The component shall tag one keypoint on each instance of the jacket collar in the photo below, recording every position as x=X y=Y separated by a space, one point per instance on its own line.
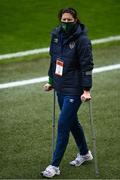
x=81 y=29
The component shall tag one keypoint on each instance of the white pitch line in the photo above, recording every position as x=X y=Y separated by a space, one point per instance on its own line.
x=46 y=50
x=23 y=82
x=105 y=40
x=106 y=68
x=24 y=53
x=45 y=78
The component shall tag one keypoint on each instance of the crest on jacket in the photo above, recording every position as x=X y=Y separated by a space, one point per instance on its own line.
x=72 y=45
x=56 y=40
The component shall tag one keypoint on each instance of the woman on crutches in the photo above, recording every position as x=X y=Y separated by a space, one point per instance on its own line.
x=70 y=75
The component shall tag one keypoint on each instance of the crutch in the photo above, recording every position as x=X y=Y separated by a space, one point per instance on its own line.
x=93 y=138
x=53 y=122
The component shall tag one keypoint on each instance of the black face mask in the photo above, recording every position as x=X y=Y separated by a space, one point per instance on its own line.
x=68 y=27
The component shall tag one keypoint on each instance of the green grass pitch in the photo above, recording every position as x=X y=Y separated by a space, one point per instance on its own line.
x=26 y=111
x=26 y=125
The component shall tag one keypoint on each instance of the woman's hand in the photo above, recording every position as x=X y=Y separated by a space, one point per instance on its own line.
x=85 y=96
x=47 y=87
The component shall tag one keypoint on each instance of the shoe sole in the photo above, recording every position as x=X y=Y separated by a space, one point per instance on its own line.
x=77 y=165
x=42 y=174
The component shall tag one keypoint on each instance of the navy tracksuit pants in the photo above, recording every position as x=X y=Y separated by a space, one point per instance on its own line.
x=68 y=122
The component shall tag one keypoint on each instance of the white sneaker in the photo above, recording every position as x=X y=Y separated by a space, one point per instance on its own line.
x=51 y=171
x=80 y=159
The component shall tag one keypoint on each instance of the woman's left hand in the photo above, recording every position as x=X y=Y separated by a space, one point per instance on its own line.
x=85 y=96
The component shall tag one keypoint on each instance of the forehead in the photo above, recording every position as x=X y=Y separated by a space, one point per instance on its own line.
x=67 y=15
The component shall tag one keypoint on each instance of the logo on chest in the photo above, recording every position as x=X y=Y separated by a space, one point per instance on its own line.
x=56 y=40
x=72 y=45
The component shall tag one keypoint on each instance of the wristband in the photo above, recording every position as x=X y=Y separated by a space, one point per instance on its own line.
x=50 y=81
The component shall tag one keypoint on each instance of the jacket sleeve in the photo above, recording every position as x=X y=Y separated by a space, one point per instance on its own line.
x=86 y=62
x=50 y=71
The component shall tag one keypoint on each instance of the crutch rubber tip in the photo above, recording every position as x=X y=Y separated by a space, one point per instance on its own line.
x=97 y=173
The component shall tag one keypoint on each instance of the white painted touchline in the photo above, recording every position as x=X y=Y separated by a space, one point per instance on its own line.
x=23 y=82
x=45 y=78
x=106 y=68
x=24 y=53
x=105 y=40
x=46 y=50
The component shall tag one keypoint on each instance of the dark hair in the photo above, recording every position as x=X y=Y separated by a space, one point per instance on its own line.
x=70 y=10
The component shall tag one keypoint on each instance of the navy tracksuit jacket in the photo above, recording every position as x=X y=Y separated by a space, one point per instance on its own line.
x=75 y=54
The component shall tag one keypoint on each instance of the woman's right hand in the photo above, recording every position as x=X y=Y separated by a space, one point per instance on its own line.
x=47 y=87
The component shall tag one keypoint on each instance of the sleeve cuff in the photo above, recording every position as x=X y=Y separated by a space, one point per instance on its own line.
x=86 y=88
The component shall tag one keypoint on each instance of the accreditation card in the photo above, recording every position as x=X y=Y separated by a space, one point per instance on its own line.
x=59 y=67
